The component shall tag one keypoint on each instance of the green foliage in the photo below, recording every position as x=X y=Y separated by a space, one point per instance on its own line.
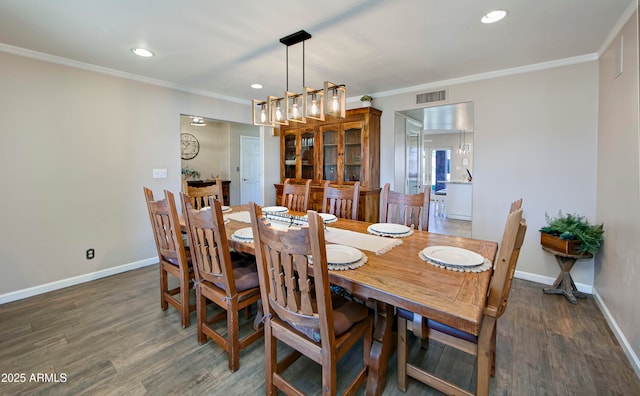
x=575 y=227
x=192 y=173
x=366 y=98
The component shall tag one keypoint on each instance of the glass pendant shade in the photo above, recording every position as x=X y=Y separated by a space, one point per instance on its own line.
x=277 y=110
x=334 y=99
x=295 y=107
x=260 y=112
x=314 y=104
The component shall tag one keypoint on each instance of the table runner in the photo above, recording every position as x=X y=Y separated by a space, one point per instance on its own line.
x=378 y=245
x=242 y=216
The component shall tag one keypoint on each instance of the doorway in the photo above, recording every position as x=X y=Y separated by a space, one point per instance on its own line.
x=438 y=153
x=219 y=153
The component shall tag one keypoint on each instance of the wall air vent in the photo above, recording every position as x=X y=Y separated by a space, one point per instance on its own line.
x=436 y=96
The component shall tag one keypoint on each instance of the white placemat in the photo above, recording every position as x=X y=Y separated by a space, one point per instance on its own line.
x=242 y=216
x=343 y=267
x=486 y=266
x=378 y=245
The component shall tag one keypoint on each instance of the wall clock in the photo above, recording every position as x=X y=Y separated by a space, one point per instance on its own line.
x=189 y=146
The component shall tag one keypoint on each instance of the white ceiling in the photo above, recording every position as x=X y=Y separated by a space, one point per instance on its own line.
x=373 y=46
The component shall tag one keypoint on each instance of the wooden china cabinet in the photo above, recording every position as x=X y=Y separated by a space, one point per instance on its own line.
x=342 y=151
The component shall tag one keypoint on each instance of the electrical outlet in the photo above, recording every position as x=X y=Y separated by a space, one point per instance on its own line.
x=91 y=253
x=159 y=173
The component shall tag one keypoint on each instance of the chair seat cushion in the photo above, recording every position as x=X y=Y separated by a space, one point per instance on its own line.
x=245 y=273
x=346 y=313
x=438 y=326
x=174 y=260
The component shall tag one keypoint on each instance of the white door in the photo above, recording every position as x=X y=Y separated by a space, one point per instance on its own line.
x=413 y=168
x=250 y=170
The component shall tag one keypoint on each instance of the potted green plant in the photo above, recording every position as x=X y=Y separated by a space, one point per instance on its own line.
x=366 y=101
x=190 y=173
x=571 y=234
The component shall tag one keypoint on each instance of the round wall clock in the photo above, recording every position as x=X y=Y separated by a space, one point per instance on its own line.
x=189 y=146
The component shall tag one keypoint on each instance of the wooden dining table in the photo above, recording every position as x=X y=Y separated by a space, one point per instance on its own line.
x=400 y=278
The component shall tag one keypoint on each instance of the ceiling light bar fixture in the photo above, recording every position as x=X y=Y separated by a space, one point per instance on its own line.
x=298 y=107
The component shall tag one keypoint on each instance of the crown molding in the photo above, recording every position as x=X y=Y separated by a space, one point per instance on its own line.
x=488 y=75
x=617 y=28
x=116 y=73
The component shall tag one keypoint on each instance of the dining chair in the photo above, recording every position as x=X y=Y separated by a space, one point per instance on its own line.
x=225 y=278
x=341 y=201
x=407 y=209
x=299 y=308
x=174 y=258
x=296 y=196
x=185 y=185
x=483 y=346
x=200 y=195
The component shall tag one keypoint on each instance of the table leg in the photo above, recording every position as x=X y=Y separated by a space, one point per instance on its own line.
x=564 y=283
x=380 y=350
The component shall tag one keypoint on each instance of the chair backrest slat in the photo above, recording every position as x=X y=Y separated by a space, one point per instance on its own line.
x=296 y=196
x=341 y=201
x=286 y=277
x=209 y=247
x=408 y=209
x=166 y=227
x=505 y=264
x=200 y=195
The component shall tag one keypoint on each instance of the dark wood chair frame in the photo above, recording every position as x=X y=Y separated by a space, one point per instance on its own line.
x=294 y=291
x=341 y=201
x=411 y=210
x=172 y=255
x=212 y=263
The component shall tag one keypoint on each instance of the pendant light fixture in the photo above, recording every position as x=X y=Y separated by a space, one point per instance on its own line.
x=298 y=107
x=463 y=148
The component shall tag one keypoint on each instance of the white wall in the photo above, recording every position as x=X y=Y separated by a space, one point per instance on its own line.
x=535 y=138
x=76 y=148
x=617 y=270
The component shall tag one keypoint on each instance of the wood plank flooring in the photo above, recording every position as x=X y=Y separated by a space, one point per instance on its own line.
x=110 y=337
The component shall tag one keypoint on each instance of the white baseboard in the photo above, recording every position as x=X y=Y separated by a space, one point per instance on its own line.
x=613 y=325
x=546 y=280
x=624 y=343
x=60 y=284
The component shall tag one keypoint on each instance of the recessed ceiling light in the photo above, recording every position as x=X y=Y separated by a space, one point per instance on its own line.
x=494 y=16
x=256 y=86
x=197 y=121
x=142 y=52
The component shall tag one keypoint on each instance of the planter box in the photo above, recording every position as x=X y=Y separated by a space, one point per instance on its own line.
x=560 y=245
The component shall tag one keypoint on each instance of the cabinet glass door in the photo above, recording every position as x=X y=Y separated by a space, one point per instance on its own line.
x=330 y=154
x=352 y=152
x=306 y=155
x=290 y=156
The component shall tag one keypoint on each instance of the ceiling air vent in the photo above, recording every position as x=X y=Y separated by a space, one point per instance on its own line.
x=429 y=97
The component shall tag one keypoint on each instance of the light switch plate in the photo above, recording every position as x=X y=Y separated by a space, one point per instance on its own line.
x=159 y=173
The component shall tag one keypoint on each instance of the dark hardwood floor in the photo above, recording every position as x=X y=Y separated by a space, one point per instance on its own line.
x=110 y=337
